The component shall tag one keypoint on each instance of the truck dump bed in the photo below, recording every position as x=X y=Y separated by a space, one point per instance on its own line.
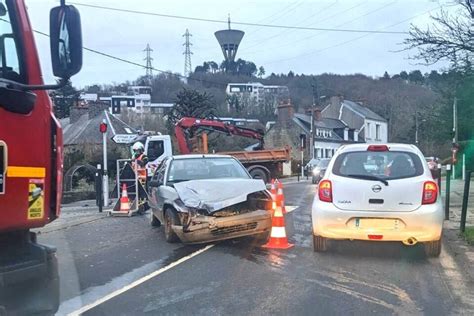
x=264 y=155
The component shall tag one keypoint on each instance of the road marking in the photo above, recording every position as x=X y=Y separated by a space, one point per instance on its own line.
x=138 y=282
x=290 y=208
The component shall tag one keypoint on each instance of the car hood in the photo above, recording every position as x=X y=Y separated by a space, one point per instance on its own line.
x=215 y=194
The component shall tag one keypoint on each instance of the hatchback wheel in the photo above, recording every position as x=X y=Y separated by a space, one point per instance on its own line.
x=433 y=248
x=171 y=218
x=319 y=244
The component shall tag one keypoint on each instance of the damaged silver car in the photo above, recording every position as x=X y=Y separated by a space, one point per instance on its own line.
x=203 y=198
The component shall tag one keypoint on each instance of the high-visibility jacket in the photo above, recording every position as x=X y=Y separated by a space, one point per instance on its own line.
x=139 y=165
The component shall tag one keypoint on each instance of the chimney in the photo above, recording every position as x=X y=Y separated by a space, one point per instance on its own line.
x=285 y=113
x=346 y=133
x=97 y=108
x=318 y=115
x=76 y=113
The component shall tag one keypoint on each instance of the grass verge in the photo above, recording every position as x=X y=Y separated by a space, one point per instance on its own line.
x=469 y=235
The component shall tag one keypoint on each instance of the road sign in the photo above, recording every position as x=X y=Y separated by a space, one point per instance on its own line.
x=124 y=138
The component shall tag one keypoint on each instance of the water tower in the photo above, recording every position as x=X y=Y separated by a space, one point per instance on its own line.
x=229 y=40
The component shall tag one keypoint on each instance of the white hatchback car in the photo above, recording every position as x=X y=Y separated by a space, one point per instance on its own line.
x=379 y=193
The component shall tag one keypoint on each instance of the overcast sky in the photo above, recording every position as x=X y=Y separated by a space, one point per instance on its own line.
x=125 y=35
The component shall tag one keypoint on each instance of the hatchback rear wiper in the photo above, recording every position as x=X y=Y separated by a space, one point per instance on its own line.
x=367 y=177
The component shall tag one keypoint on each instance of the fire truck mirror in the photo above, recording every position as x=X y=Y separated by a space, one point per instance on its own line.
x=17 y=101
x=65 y=41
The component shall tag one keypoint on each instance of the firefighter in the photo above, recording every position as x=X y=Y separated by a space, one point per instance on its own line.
x=139 y=156
x=139 y=161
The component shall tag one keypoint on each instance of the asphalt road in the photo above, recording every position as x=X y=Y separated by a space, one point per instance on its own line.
x=122 y=266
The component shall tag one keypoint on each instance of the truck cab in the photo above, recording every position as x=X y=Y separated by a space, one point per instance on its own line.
x=31 y=154
x=157 y=148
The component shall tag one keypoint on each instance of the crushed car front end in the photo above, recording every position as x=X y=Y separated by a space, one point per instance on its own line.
x=236 y=217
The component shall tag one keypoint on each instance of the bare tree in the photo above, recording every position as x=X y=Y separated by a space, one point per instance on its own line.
x=450 y=37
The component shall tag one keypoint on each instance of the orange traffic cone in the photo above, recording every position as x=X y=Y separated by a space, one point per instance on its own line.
x=281 y=197
x=124 y=201
x=278 y=239
x=273 y=193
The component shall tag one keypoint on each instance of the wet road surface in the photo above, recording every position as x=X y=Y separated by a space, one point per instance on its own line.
x=101 y=260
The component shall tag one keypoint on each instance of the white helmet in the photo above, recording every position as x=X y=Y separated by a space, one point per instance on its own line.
x=138 y=147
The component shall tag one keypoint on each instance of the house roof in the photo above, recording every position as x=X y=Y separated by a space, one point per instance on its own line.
x=86 y=131
x=362 y=110
x=323 y=122
x=306 y=126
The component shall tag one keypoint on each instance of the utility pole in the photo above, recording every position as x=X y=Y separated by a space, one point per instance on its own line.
x=416 y=126
x=187 y=54
x=148 y=59
x=455 y=129
x=314 y=87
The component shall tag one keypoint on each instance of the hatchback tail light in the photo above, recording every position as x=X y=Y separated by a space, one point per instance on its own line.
x=430 y=192
x=325 y=191
x=377 y=148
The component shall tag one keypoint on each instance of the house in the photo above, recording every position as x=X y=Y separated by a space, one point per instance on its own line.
x=329 y=133
x=256 y=93
x=371 y=127
x=82 y=127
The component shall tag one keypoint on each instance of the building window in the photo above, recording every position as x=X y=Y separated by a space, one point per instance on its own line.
x=377 y=131
x=367 y=132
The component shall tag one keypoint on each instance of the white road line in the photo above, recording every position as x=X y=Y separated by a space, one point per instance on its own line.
x=138 y=282
x=290 y=208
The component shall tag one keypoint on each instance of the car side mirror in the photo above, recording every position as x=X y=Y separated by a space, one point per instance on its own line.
x=154 y=183
x=65 y=41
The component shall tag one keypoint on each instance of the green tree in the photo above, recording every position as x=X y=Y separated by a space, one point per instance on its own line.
x=404 y=75
x=64 y=98
x=416 y=76
x=192 y=103
x=261 y=71
x=386 y=76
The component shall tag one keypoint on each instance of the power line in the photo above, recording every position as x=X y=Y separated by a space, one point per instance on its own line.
x=339 y=25
x=135 y=63
x=239 y=23
x=259 y=41
x=350 y=40
x=187 y=54
x=323 y=20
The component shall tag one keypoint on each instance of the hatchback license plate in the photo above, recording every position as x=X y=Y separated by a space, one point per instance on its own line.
x=377 y=223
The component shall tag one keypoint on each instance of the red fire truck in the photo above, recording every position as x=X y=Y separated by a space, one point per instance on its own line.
x=31 y=154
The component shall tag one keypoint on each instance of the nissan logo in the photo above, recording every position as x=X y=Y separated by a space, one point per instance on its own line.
x=376 y=188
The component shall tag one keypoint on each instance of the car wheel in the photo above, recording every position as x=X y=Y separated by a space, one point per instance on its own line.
x=171 y=218
x=155 y=222
x=433 y=248
x=258 y=173
x=319 y=244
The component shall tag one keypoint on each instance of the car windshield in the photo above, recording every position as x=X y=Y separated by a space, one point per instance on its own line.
x=205 y=168
x=389 y=165
x=323 y=163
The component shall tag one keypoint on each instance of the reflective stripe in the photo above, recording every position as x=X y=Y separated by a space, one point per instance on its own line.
x=26 y=172
x=278 y=232
x=278 y=212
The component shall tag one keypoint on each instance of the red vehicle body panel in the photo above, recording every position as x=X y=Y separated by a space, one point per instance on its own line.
x=33 y=141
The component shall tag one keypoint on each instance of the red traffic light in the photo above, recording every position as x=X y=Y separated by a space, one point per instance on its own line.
x=103 y=127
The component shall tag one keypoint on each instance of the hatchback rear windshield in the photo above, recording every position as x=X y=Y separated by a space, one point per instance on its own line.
x=387 y=165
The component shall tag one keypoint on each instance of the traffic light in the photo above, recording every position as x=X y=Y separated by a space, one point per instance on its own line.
x=303 y=141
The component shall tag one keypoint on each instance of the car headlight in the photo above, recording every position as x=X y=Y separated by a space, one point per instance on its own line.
x=316 y=171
